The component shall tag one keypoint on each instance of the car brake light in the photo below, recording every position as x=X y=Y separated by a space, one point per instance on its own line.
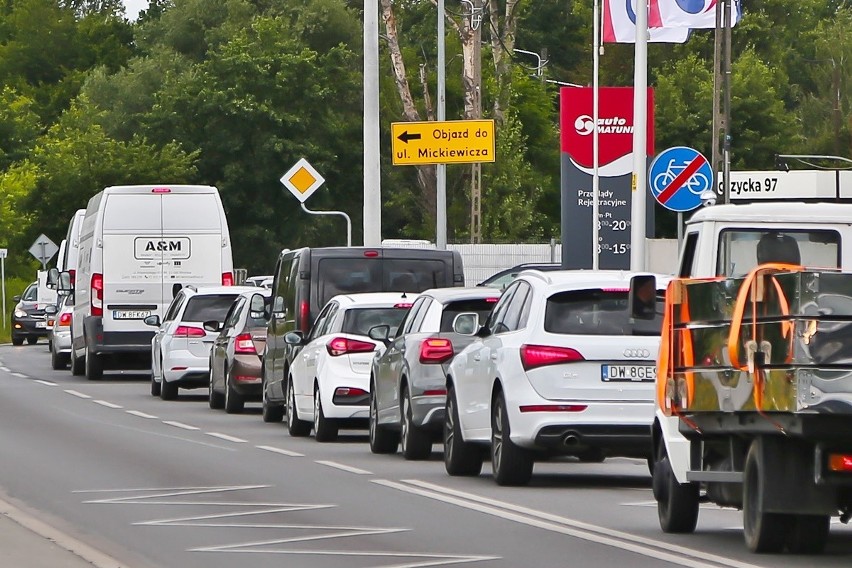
x=371 y=253
x=72 y=276
x=349 y=391
x=436 y=350
x=492 y=300
x=227 y=279
x=305 y=316
x=840 y=462
x=614 y=290
x=343 y=345
x=402 y=305
x=97 y=294
x=189 y=331
x=533 y=356
x=243 y=345
x=161 y=190
x=65 y=319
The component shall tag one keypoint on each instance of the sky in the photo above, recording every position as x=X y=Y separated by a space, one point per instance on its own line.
x=132 y=7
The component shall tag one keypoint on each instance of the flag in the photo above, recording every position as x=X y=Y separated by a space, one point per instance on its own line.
x=619 y=24
x=695 y=14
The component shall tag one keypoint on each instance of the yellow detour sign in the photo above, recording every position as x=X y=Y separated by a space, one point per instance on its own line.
x=446 y=142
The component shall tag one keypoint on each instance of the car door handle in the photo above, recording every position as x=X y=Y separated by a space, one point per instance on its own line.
x=477 y=358
x=493 y=356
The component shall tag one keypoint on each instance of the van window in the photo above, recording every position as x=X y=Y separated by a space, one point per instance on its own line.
x=740 y=250
x=129 y=212
x=191 y=212
x=597 y=312
x=208 y=307
x=354 y=275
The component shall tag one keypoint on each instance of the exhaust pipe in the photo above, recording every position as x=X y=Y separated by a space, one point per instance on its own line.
x=571 y=440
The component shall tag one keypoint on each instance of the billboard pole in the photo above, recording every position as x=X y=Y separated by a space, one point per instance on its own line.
x=640 y=121
x=596 y=180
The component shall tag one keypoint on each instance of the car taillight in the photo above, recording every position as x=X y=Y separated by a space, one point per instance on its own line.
x=243 y=345
x=97 y=294
x=343 y=345
x=72 y=276
x=349 y=391
x=161 y=190
x=491 y=300
x=189 y=331
x=436 y=350
x=305 y=316
x=402 y=305
x=533 y=356
x=227 y=279
x=65 y=319
x=840 y=462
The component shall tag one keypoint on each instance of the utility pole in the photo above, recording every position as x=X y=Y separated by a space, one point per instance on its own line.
x=476 y=167
x=720 y=156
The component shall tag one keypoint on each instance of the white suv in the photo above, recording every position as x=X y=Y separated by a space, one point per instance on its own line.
x=560 y=367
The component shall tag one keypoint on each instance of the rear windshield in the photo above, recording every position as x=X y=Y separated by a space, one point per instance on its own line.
x=354 y=275
x=133 y=212
x=205 y=308
x=451 y=310
x=597 y=312
x=359 y=321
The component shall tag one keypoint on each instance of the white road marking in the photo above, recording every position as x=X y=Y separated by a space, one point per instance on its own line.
x=158 y=492
x=107 y=404
x=20 y=375
x=281 y=451
x=48 y=383
x=4 y=369
x=226 y=437
x=433 y=559
x=180 y=425
x=196 y=521
x=344 y=467
x=602 y=535
x=141 y=414
x=77 y=394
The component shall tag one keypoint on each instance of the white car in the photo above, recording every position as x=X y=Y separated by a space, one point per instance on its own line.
x=329 y=381
x=559 y=368
x=59 y=324
x=180 y=349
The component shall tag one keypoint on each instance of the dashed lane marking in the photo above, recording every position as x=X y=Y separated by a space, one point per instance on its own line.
x=226 y=437
x=107 y=404
x=20 y=375
x=77 y=394
x=180 y=425
x=141 y=414
x=48 y=383
x=5 y=369
x=280 y=451
x=344 y=467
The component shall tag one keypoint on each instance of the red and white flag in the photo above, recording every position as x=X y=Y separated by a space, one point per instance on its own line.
x=695 y=14
x=619 y=23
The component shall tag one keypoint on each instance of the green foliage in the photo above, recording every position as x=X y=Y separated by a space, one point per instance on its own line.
x=14 y=287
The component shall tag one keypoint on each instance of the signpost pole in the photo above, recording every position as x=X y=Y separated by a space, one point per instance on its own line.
x=640 y=123
x=596 y=180
x=441 y=172
x=348 y=221
x=43 y=256
x=3 y=277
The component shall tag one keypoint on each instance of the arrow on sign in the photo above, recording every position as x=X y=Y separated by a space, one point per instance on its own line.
x=405 y=136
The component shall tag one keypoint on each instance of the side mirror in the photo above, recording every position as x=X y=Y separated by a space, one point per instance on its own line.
x=466 y=323
x=212 y=325
x=153 y=321
x=16 y=298
x=51 y=310
x=64 y=286
x=642 y=297
x=52 y=278
x=294 y=338
x=380 y=333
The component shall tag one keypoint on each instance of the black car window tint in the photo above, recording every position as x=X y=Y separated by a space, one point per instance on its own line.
x=596 y=312
x=359 y=321
x=405 y=326
x=234 y=313
x=421 y=315
x=482 y=307
x=208 y=307
x=500 y=309
x=513 y=310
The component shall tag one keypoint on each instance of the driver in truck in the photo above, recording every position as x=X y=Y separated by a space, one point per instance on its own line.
x=775 y=247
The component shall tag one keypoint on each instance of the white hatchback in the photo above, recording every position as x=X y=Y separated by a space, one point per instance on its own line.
x=560 y=368
x=328 y=385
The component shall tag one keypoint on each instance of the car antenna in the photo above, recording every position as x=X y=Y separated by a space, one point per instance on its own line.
x=404 y=296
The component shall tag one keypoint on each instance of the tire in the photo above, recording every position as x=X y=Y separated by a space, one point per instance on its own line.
x=234 y=402
x=677 y=504
x=512 y=465
x=32 y=340
x=297 y=428
x=325 y=430
x=155 y=386
x=416 y=444
x=763 y=532
x=17 y=340
x=78 y=364
x=460 y=458
x=215 y=400
x=58 y=361
x=382 y=440
x=94 y=366
x=808 y=534
x=271 y=412
x=168 y=391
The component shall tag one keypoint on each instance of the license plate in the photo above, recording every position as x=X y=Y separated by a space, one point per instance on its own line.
x=635 y=373
x=41 y=324
x=130 y=314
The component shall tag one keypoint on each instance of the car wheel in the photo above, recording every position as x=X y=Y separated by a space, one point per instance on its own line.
x=215 y=400
x=460 y=457
x=416 y=443
x=155 y=385
x=808 y=534
x=511 y=464
x=16 y=340
x=271 y=412
x=297 y=428
x=325 y=430
x=32 y=340
x=58 y=361
x=168 y=391
x=78 y=364
x=234 y=403
x=382 y=440
x=94 y=366
x=677 y=504
x=763 y=531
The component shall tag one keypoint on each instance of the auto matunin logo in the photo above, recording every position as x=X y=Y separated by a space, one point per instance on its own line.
x=584 y=125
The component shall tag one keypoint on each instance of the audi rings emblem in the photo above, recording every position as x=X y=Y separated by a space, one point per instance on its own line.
x=637 y=353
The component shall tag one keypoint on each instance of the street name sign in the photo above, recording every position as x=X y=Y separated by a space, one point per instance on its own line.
x=302 y=180
x=4 y=253
x=444 y=142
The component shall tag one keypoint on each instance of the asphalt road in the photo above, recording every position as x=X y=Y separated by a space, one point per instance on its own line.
x=165 y=484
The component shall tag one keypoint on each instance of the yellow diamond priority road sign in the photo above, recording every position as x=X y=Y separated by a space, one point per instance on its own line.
x=445 y=142
x=302 y=180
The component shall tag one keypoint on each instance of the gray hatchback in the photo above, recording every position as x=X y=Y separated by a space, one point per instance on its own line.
x=408 y=380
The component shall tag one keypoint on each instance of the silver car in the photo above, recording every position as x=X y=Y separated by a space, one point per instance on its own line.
x=59 y=332
x=408 y=391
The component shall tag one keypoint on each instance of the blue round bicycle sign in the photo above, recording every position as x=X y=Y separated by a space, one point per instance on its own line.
x=681 y=179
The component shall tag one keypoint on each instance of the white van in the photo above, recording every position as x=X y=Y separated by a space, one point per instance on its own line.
x=139 y=245
x=70 y=248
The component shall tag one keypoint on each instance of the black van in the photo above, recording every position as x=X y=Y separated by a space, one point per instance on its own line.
x=305 y=279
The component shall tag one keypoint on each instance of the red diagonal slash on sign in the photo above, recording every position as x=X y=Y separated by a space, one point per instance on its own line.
x=681 y=179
